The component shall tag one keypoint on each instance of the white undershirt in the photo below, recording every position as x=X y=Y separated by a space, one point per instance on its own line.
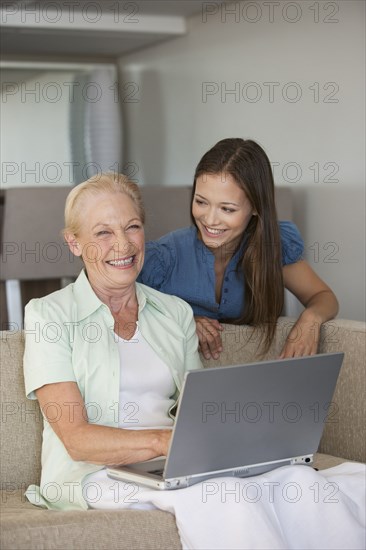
x=146 y=386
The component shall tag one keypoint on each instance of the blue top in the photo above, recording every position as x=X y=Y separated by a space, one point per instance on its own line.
x=180 y=264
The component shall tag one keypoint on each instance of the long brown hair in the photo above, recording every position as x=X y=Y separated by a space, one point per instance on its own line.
x=261 y=262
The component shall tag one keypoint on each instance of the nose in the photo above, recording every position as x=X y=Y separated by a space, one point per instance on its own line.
x=211 y=217
x=122 y=246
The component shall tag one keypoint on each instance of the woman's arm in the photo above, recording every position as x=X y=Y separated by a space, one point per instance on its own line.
x=320 y=305
x=93 y=443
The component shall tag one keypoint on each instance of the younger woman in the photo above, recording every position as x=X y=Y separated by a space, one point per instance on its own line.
x=233 y=265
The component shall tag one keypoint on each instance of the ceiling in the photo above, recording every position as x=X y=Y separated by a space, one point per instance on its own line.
x=86 y=28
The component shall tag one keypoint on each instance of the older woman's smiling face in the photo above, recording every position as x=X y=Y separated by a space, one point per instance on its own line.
x=110 y=241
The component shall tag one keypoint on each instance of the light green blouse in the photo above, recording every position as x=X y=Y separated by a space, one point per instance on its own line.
x=70 y=337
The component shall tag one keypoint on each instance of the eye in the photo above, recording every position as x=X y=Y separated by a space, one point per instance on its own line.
x=228 y=210
x=199 y=202
x=134 y=227
x=102 y=233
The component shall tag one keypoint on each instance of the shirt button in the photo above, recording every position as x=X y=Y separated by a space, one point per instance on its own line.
x=226 y=279
x=226 y=290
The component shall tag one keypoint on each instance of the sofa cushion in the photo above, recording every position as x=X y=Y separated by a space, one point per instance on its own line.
x=92 y=529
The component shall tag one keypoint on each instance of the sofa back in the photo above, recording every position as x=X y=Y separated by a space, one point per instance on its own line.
x=344 y=435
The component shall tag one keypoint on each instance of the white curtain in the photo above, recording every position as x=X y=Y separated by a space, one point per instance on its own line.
x=96 y=133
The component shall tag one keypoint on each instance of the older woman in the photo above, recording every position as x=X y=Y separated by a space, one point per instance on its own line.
x=105 y=356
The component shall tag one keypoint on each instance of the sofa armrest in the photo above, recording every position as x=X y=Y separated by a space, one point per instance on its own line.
x=345 y=435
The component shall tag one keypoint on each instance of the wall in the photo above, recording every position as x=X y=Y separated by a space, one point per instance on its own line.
x=296 y=75
x=59 y=123
x=34 y=128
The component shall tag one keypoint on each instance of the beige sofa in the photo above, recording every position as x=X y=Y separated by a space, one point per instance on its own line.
x=24 y=526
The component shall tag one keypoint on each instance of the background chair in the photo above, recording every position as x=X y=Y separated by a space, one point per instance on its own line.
x=33 y=249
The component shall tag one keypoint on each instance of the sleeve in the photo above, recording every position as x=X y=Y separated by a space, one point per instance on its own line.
x=192 y=359
x=48 y=349
x=187 y=321
x=158 y=263
x=292 y=244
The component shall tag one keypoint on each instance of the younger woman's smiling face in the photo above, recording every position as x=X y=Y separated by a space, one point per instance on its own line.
x=221 y=211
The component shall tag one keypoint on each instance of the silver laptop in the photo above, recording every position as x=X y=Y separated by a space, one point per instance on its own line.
x=244 y=420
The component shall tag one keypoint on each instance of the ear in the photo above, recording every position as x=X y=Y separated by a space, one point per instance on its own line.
x=73 y=244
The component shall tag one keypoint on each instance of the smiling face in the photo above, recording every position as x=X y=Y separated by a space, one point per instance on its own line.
x=221 y=211
x=110 y=241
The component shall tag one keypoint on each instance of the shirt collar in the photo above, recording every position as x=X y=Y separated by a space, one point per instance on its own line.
x=87 y=301
x=143 y=298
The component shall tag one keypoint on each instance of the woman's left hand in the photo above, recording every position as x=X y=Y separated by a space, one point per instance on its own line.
x=208 y=332
x=302 y=340
x=320 y=303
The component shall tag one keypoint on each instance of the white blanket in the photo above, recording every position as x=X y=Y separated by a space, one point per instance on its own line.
x=293 y=507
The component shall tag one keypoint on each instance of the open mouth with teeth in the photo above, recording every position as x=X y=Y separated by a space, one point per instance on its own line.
x=122 y=262
x=214 y=232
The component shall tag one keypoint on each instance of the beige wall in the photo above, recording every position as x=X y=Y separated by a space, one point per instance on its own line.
x=308 y=78
x=35 y=147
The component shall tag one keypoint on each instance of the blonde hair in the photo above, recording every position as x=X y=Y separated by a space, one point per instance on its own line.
x=109 y=182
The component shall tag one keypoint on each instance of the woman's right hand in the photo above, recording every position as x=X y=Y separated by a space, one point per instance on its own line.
x=208 y=331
